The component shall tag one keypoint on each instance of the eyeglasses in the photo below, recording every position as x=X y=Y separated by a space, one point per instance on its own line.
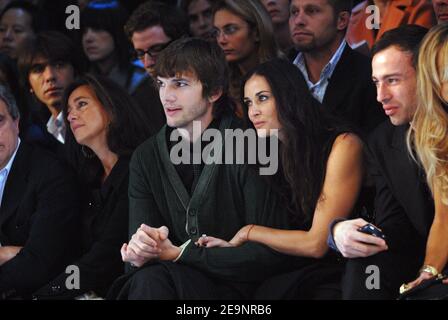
x=153 y=52
x=228 y=30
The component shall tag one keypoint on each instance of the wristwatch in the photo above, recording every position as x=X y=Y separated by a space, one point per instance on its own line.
x=429 y=269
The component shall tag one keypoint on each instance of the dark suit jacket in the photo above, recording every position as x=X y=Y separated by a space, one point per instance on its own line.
x=403 y=210
x=403 y=205
x=40 y=213
x=351 y=93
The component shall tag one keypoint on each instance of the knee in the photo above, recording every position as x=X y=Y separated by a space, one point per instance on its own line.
x=365 y=279
x=150 y=275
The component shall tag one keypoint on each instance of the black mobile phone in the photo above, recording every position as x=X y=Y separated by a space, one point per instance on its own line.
x=372 y=230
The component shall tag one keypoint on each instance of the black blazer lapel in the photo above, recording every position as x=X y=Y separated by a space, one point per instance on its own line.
x=339 y=84
x=409 y=182
x=15 y=184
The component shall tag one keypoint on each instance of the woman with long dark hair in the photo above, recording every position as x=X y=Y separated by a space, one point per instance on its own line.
x=320 y=176
x=105 y=128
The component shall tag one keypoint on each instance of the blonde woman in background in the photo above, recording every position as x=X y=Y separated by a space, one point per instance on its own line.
x=428 y=142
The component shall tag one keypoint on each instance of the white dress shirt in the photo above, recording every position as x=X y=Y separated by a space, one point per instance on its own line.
x=57 y=127
x=319 y=88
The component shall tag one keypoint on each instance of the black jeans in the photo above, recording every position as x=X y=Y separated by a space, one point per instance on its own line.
x=172 y=281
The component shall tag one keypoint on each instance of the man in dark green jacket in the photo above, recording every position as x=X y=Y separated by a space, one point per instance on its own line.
x=172 y=205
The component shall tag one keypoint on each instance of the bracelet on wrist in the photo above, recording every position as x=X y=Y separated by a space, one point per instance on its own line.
x=248 y=231
x=429 y=269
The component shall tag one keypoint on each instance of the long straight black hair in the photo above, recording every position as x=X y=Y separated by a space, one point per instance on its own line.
x=308 y=132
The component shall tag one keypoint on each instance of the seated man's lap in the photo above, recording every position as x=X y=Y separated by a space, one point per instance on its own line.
x=172 y=281
x=379 y=276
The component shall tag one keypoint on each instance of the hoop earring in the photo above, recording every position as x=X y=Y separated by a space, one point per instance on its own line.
x=87 y=152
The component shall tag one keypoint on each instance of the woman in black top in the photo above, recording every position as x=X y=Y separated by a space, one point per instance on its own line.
x=320 y=169
x=107 y=128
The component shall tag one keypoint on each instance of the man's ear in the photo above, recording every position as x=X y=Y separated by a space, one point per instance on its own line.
x=215 y=96
x=343 y=20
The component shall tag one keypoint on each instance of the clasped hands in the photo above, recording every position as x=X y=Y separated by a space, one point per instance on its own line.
x=149 y=244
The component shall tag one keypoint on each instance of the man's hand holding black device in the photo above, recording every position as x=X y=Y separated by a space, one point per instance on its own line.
x=372 y=230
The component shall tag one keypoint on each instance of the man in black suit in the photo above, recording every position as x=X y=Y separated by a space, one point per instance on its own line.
x=337 y=76
x=38 y=214
x=403 y=205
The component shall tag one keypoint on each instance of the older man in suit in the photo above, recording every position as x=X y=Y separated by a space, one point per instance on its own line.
x=403 y=206
x=337 y=76
x=38 y=215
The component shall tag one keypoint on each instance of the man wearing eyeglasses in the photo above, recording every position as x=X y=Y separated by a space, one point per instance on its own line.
x=151 y=28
